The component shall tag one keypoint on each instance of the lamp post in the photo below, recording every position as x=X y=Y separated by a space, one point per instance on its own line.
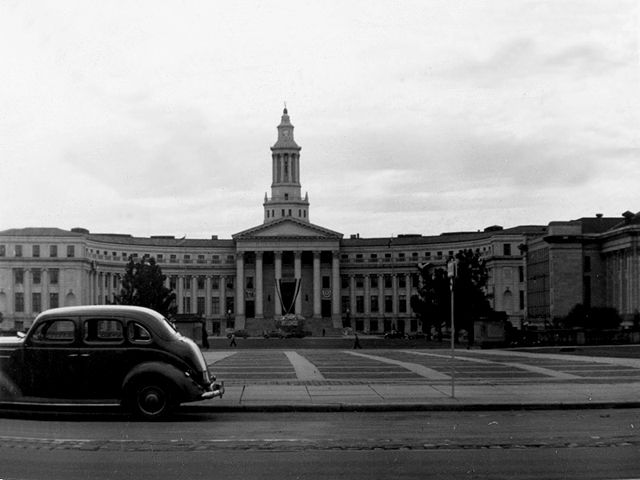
x=452 y=270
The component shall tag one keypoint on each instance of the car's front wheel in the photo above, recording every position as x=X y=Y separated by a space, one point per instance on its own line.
x=151 y=399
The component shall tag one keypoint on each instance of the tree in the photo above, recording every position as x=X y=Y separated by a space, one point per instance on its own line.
x=596 y=318
x=433 y=301
x=471 y=298
x=143 y=285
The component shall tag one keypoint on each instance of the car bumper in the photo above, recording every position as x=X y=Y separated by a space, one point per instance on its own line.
x=217 y=390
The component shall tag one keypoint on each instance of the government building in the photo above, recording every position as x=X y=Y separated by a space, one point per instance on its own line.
x=289 y=265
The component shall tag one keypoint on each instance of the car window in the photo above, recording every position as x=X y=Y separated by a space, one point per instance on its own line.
x=137 y=333
x=55 y=331
x=103 y=330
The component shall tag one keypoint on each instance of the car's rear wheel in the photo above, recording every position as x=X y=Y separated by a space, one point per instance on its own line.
x=151 y=399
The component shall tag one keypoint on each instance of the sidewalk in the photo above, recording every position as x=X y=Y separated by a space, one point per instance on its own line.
x=426 y=396
x=381 y=397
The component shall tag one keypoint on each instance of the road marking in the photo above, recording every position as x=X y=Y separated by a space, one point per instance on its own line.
x=305 y=370
x=530 y=368
x=623 y=362
x=213 y=357
x=421 y=370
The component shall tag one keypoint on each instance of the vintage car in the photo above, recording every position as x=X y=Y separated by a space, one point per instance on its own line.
x=130 y=354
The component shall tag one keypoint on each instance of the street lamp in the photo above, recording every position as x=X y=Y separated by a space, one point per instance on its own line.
x=452 y=271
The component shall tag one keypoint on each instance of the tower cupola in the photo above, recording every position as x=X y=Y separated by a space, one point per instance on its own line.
x=286 y=199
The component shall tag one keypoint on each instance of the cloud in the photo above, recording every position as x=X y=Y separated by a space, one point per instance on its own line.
x=524 y=59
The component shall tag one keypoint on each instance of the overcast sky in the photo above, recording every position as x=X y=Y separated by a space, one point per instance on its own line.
x=156 y=118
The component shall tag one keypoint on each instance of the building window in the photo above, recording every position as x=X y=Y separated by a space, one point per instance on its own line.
x=286 y=196
x=388 y=304
x=200 y=302
x=521 y=274
x=53 y=276
x=344 y=281
x=173 y=282
x=215 y=283
x=201 y=282
x=587 y=264
x=374 y=281
x=506 y=249
x=326 y=281
x=18 y=250
x=187 y=284
x=19 y=302
x=374 y=304
x=249 y=282
x=53 y=251
x=54 y=301
x=521 y=303
x=3 y=250
x=71 y=251
x=36 y=302
x=402 y=307
x=388 y=281
x=230 y=283
x=345 y=303
x=36 y=276
x=186 y=304
x=215 y=305
x=230 y=306
x=35 y=251
x=18 y=276
x=360 y=304
x=402 y=281
x=359 y=281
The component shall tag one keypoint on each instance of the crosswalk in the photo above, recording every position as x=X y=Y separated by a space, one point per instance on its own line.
x=414 y=366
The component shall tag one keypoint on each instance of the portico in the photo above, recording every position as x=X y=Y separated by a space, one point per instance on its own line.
x=287 y=266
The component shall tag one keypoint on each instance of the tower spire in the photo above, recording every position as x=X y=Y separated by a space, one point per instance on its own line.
x=286 y=199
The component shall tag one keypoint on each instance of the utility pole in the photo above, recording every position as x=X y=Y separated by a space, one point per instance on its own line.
x=452 y=270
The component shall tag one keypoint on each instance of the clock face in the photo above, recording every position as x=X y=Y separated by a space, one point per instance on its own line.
x=285 y=133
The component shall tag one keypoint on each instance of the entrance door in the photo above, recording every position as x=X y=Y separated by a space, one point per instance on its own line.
x=288 y=293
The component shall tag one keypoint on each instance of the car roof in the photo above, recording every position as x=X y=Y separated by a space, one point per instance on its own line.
x=100 y=309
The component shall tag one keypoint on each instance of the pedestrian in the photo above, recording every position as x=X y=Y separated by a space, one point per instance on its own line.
x=205 y=336
x=356 y=342
x=233 y=340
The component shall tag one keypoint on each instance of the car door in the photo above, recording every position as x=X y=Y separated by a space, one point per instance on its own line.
x=50 y=359
x=102 y=356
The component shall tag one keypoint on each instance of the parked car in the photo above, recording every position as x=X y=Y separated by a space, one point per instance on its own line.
x=394 y=334
x=273 y=334
x=130 y=354
x=239 y=334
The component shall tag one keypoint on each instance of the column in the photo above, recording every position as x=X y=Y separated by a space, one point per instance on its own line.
x=297 y=272
x=180 y=294
x=394 y=284
x=408 y=292
x=45 y=289
x=207 y=296
x=278 y=274
x=259 y=287
x=27 y=291
x=335 y=289
x=223 y=299
x=381 y=302
x=240 y=289
x=194 y=295
x=317 y=292
x=352 y=295
x=367 y=295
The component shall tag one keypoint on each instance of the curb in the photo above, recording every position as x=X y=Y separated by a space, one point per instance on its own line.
x=409 y=407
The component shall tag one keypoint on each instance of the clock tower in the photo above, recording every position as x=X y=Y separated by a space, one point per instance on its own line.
x=286 y=199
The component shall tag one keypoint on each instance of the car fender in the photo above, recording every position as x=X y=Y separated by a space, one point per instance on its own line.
x=184 y=385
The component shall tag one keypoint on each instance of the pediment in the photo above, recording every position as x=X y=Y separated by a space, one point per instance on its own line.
x=287 y=228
